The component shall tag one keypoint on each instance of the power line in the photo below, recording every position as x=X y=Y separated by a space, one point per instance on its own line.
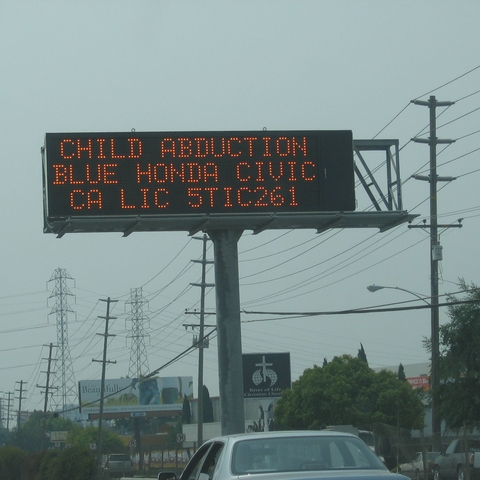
x=168 y=264
x=428 y=93
x=449 y=82
x=354 y=311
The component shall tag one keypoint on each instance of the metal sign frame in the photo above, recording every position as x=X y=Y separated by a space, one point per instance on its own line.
x=384 y=218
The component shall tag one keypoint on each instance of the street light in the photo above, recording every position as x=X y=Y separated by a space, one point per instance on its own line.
x=436 y=421
x=374 y=288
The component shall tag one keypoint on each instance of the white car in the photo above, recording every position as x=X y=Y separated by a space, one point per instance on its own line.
x=415 y=468
x=323 y=455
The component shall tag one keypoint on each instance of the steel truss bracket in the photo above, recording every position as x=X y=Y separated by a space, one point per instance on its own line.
x=390 y=197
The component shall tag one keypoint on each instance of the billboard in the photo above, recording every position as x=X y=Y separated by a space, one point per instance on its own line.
x=265 y=374
x=113 y=175
x=422 y=382
x=135 y=395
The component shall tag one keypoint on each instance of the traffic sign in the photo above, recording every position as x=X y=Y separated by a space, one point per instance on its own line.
x=101 y=179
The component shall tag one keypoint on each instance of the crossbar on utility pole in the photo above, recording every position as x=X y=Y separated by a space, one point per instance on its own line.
x=433 y=141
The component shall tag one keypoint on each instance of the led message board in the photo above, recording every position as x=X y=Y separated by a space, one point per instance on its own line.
x=184 y=173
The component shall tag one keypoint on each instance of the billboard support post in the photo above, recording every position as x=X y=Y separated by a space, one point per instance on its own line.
x=230 y=369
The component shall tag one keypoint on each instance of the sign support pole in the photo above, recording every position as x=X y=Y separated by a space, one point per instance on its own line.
x=265 y=404
x=230 y=370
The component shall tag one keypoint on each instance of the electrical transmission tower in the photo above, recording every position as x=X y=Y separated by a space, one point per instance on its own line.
x=138 y=353
x=63 y=378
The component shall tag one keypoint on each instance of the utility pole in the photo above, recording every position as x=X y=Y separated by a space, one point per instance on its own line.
x=104 y=363
x=20 y=398
x=45 y=405
x=435 y=257
x=201 y=342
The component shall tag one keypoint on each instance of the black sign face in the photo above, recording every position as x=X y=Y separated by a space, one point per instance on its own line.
x=131 y=174
x=265 y=374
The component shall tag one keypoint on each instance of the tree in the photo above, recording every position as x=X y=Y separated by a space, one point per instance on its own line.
x=362 y=355
x=401 y=373
x=75 y=463
x=4 y=434
x=29 y=437
x=11 y=462
x=186 y=411
x=84 y=437
x=207 y=406
x=48 y=465
x=459 y=362
x=347 y=391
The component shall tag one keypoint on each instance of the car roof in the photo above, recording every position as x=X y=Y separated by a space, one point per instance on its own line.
x=284 y=433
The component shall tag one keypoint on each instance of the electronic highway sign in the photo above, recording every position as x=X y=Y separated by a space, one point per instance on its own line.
x=96 y=177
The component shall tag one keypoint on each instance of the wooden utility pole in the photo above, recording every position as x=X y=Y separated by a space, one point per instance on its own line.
x=20 y=398
x=203 y=286
x=435 y=257
x=45 y=404
x=104 y=362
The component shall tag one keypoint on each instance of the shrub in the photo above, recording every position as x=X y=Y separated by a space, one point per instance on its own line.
x=75 y=463
x=11 y=462
x=48 y=464
x=32 y=465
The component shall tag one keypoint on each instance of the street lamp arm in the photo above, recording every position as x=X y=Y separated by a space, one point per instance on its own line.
x=374 y=288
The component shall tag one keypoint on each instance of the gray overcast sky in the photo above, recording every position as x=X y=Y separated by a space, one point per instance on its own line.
x=210 y=65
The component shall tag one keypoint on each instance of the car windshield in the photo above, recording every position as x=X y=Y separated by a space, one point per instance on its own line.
x=298 y=453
